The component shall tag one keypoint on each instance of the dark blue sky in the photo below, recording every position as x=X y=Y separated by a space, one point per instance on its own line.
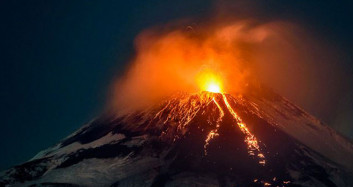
x=58 y=58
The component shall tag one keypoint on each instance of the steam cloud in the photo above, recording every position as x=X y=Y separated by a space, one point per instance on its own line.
x=170 y=60
x=280 y=54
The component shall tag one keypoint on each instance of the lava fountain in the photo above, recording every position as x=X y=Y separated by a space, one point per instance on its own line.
x=209 y=81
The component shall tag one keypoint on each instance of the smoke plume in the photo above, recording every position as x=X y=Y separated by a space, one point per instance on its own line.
x=258 y=45
x=170 y=59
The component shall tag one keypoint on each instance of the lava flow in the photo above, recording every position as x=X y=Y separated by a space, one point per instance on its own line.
x=214 y=133
x=250 y=139
x=212 y=84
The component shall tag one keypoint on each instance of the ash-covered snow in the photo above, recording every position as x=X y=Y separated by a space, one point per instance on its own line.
x=258 y=140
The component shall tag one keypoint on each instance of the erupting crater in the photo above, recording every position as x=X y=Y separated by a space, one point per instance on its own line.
x=209 y=81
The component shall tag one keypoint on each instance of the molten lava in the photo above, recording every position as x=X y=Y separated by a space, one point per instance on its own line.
x=214 y=133
x=250 y=139
x=209 y=81
x=213 y=87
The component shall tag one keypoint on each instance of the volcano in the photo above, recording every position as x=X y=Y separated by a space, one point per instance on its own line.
x=200 y=139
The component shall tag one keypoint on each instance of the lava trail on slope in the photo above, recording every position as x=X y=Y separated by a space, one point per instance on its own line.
x=201 y=139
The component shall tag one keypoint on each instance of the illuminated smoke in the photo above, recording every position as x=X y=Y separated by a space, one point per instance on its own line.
x=174 y=60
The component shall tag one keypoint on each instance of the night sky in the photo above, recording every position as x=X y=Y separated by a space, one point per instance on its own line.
x=58 y=59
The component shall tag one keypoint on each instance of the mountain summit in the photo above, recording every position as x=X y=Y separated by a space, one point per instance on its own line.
x=202 y=139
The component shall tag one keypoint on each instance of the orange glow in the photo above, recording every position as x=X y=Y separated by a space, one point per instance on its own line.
x=220 y=57
x=213 y=87
x=167 y=62
x=208 y=81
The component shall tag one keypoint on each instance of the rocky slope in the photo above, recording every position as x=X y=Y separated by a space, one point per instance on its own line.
x=202 y=139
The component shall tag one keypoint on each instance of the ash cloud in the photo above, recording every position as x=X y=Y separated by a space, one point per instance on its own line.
x=241 y=45
x=169 y=59
x=312 y=64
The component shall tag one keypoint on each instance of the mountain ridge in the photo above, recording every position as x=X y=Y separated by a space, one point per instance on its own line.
x=197 y=139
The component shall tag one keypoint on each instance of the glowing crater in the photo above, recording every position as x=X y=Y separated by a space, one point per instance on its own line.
x=213 y=87
x=209 y=81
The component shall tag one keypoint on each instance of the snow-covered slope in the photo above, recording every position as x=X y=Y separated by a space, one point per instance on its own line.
x=203 y=139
